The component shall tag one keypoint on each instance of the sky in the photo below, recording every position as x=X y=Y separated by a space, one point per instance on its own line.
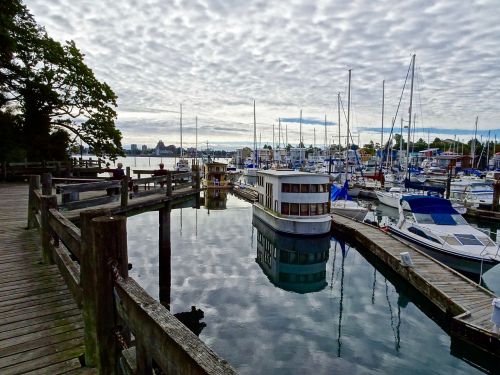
x=215 y=57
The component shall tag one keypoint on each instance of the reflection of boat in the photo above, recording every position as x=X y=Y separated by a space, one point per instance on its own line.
x=296 y=264
x=293 y=202
x=439 y=230
x=215 y=199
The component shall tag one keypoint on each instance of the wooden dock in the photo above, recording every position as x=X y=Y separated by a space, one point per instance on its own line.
x=466 y=303
x=41 y=327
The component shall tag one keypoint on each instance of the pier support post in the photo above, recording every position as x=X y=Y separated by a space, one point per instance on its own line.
x=496 y=195
x=165 y=254
x=48 y=202
x=34 y=185
x=108 y=247
x=47 y=184
x=87 y=282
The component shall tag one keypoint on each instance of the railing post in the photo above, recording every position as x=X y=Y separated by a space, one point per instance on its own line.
x=108 y=246
x=124 y=188
x=48 y=202
x=47 y=184
x=169 y=184
x=34 y=185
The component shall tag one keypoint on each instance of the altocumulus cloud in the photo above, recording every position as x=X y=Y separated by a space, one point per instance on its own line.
x=217 y=56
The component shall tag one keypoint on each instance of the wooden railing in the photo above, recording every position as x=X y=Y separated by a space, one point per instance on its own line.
x=125 y=328
x=55 y=167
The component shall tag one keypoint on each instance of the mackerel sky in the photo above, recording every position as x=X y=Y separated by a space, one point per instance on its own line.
x=217 y=56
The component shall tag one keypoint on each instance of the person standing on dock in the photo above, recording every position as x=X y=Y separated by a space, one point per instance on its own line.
x=118 y=174
x=160 y=172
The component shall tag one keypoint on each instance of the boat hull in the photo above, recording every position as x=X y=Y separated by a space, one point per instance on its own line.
x=309 y=226
x=461 y=263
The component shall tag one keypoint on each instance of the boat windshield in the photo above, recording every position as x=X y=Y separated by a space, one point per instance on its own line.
x=440 y=219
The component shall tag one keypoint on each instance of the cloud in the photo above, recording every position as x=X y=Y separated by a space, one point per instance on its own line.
x=215 y=57
x=308 y=121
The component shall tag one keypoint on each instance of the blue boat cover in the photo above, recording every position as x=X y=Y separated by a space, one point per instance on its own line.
x=429 y=205
x=337 y=193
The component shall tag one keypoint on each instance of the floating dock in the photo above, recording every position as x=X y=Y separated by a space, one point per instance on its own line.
x=467 y=304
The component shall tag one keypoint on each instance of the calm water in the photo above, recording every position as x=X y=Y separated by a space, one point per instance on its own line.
x=324 y=309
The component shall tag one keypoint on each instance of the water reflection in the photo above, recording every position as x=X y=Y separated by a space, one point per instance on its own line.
x=215 y=199
x=295 y=264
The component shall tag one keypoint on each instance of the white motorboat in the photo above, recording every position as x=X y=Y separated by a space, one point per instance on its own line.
x=293 y=202
x=342 y=204
x=439 y=230
x=477 y=194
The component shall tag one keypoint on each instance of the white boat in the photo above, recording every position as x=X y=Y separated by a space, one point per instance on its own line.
x=293 y=202
x=440 y=231
x=472 y=194
x=342 y=204
x=392 y=197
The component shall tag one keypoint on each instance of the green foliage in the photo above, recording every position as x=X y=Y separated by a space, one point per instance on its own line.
x=51 y=89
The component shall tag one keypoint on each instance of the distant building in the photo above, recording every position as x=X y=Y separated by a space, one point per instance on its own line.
x=133 y=148
x=144 y=149
x=160 y=149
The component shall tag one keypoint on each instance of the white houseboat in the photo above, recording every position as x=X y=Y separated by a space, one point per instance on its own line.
x=293 y=202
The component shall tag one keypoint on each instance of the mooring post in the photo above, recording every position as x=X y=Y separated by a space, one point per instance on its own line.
x=194 y=176
x=87 y=282
x=448 y=186
x=165 y=253
x=496 y=195
x=34 y=185
x=124 y=188
x=47 y=184
x=108 y=247
x=48 y=202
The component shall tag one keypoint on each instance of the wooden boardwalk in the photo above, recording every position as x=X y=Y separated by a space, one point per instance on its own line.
x=467 y=303
x=41 y=327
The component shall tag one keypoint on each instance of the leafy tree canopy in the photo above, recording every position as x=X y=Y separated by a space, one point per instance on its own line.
x=50 y=90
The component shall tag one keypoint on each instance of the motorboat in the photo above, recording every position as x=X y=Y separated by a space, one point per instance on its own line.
x=477 y=194
x=438 y=229
x=293 y=202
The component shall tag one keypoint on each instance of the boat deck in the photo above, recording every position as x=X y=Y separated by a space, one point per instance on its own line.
x=41 y=327
x=455 y=295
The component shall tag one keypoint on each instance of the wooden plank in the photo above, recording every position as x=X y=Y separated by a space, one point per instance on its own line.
x=65 y=367
x=51 y=316
x=7 y=305
x=90 y=186
x=70 y=272
x=18 y=332
x=16 y=312
x=68 y=232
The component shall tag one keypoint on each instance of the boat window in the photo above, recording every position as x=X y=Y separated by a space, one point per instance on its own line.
x=294 y=208
x=450 y=240
x=314 y=211
x=421 y=233
x=424 y=218
x=321 y=188
x=468 y=239
x=304 y=188
x=295 y=188
x=285 y=188
x=314 y=188
x=320 y=209
x=285 y=208
x=304 y=209
x=459 y=219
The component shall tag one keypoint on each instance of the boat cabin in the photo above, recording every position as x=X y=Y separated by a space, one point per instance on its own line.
x=215 y=174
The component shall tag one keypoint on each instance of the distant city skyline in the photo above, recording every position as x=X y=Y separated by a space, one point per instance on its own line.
x=217 y=57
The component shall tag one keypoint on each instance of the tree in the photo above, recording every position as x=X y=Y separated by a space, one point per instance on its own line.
x=51 y=90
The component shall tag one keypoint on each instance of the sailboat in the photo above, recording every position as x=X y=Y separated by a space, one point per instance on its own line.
x=341 y=203
x=250 y=171
x=183 y=164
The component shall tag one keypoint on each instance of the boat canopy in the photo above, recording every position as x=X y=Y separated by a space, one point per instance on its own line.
x=339 y=193
x=429 y=205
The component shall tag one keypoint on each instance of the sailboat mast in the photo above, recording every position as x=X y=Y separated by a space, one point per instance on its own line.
x=180 y=121
x=279 y=132
x=300 y=129
x=254 y=136
x=326 y=137
x=382 y=132
x=196 y=139
x=473 y=148
x=488 y=152
x=348 y=123
x=410 y=114
x=338 y=109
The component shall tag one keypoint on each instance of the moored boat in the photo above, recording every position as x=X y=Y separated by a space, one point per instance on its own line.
x=293 y=202
x=439 y=230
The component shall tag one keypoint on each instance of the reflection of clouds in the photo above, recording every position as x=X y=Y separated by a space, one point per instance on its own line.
x=217 y=56
x=259 y=328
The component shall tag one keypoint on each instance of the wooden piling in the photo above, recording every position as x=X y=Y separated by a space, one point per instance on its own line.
x=34 y=185
x=165 y=253
x=109 y=246
x=47 y=184
x=88 y=282
x=169 y=184
x=48 y=202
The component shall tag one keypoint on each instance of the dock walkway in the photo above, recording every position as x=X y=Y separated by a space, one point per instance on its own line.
x=41 y=327
x=467 y=303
